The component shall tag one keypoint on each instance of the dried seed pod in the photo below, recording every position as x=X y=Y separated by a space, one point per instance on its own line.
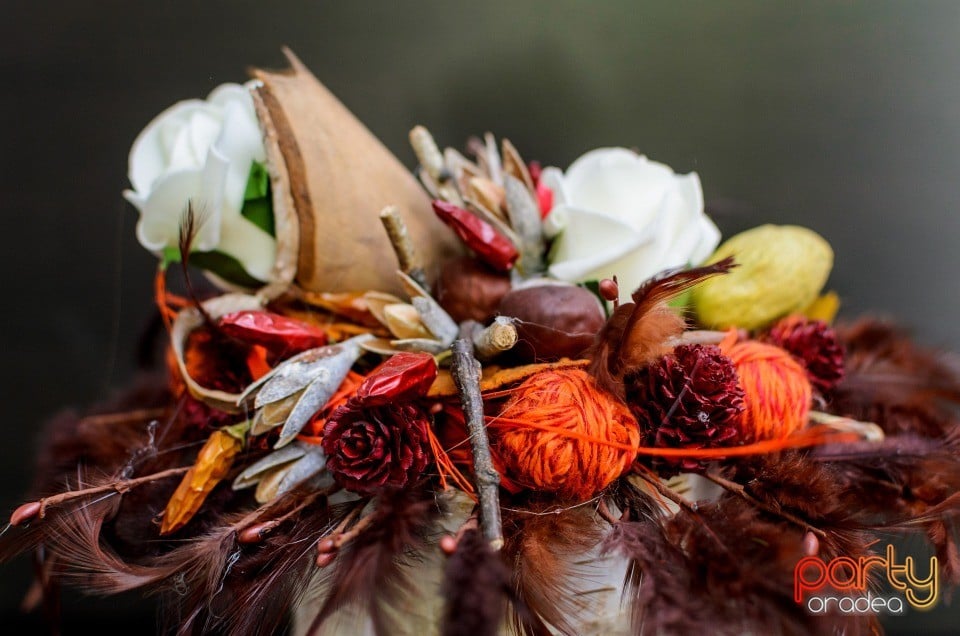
x=553 y=321
x=331 y=178
x=781 y=269
x=212 y=465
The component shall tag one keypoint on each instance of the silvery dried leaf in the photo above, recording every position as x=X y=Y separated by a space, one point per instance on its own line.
x=253 y=473
x=315 y=396
x=303 y=369
x=426 y=345
x=306 y=467
x=436 y=320
x=525 y=219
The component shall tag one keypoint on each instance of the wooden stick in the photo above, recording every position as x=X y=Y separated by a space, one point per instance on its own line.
x=466 y=375
x=739 y=490
x=500 y=336
x=402 y=245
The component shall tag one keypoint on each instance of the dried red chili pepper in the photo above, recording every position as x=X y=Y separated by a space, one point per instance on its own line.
x=490 y=246
x=404 y=376
x=273 y=331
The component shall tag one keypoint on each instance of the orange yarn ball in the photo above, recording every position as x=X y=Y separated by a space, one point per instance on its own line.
x=562 y=433
x=776 y=388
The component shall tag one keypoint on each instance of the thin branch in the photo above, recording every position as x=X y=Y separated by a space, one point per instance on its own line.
x=38 y=508
x=740 y=491
x=402 y=245
x=466 y=375
x=128 y=417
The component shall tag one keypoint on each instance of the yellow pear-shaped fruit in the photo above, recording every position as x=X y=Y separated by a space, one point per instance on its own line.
x=781 y=269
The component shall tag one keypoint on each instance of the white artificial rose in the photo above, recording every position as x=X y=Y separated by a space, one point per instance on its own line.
x=617 y=213
x=201 y=152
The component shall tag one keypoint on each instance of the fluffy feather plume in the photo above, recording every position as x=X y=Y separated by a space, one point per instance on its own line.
x=726 y=570
x=545 y=544
x=638 y=332
x=372 y=571
x=476 y=586
x=891 y=381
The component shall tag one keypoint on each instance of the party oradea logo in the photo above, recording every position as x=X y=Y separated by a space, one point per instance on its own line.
x=843 y=585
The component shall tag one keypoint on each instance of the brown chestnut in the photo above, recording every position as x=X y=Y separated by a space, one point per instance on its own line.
x=469 y=290
x=553 y=321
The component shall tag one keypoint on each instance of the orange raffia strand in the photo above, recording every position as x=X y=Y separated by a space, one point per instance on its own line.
x=347 y=388
x=803 y=439
x=212 y=465
x=165 y=300
x=257 y=362
x=445 y=465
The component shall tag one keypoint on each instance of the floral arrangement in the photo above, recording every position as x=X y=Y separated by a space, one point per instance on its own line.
x=526 y=379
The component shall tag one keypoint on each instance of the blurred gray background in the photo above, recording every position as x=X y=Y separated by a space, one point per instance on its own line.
x=842 y=116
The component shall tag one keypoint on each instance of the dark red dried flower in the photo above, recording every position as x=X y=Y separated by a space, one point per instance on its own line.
x=813 y=343
x=372 y=448
x=690 y=398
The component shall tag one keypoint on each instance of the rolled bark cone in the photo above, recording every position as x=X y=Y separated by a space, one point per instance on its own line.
x=331 y=178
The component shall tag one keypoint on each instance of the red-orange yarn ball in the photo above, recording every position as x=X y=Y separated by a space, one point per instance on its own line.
x=561 y=433
x=777 y=391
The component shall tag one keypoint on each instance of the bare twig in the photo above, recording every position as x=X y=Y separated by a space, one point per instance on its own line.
x=402 y=245
x=38 y=508
x=740 y=491
x=466 y=375
x=128 y=417
x=498 y=337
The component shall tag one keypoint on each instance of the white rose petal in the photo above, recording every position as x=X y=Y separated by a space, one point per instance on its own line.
x=621 y=214
x=199 y=153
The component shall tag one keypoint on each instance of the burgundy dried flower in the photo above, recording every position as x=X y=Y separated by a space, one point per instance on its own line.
x=372 y=448
x=690 y=398
x=814 y=344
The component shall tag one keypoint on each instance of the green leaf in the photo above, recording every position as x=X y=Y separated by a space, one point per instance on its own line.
x=226 y=267
x=170 y=256
x=257 y=202
x=258 y=183
x=260 y=213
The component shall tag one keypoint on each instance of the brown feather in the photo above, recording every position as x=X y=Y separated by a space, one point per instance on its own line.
x=544 y=544
x=476 y=586
x=637 y=333
x=373 y=570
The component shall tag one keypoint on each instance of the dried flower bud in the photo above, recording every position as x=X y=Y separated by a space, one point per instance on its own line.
x=553 y=321
x=687 y=399
x=814 y=343
x=370 y=449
